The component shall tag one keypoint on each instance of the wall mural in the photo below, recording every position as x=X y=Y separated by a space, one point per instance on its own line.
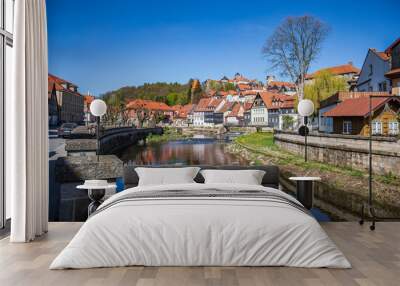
x=234 y=119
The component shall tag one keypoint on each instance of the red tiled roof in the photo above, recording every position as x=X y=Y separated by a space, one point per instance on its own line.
x=243 y=86
x=288 y=103
x=267 y=98
x=148 y=104
x=344 y=95
x=87 y=99
x=237 y=111
x=357 y=107
x=281 y=83
x=227 y=106
x=176 y=107
x=384 y=56
x=250 y=92
x=57 y=82
x=203 y=104
x=337 y=70
x=184 y=110
x=58 y=79
x=390 y=48
x=215 y=102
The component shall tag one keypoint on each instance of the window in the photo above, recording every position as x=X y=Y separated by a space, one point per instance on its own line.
x=371 y=69
x=393 y=128
x=347 y=127
x=376 y=128
x=382 y=86
x=6 y=42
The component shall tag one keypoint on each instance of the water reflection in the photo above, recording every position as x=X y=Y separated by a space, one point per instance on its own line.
x=196 y=151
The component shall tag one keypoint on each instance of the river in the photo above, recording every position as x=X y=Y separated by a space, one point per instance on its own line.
x=199 y=150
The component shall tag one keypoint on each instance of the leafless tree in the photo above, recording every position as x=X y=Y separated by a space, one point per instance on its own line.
x=293 y=46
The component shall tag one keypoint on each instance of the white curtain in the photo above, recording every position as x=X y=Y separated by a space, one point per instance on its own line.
x=27 y=124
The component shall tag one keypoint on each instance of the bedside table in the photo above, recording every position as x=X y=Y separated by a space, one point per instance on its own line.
x=96 y=191
x=305 y=190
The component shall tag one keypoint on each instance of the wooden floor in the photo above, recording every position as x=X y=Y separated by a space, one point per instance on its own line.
x=375 y=257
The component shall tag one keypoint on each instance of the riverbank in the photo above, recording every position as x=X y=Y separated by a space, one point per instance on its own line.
x=344 y=188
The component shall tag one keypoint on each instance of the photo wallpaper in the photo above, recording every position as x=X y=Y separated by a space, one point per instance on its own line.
x=219 y=84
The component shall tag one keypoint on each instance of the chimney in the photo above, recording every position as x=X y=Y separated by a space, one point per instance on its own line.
x=270 y=79
x=350 y=63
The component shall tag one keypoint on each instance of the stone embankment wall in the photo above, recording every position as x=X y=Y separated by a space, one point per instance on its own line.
x=346 y=151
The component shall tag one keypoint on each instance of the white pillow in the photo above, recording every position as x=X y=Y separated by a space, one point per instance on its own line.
x=166 y=176
x=248 y=177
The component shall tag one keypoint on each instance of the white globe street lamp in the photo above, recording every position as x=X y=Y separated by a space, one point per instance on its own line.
x=305 y=109
x=98 y=108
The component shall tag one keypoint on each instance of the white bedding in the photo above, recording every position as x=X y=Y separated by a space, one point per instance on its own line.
x=200 y=231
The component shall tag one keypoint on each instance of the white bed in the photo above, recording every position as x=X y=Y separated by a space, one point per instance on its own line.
x=202 y=231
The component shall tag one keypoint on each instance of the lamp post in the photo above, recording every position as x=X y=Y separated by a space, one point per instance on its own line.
x=369 y=207
x=98 y=108
x=305 y=109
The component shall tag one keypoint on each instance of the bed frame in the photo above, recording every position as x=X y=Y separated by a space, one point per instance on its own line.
x=270 y=179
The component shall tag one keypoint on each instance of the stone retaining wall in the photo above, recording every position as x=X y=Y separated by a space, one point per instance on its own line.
x=348 y=152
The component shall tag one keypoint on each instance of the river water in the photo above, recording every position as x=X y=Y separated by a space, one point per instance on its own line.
x=200 y=150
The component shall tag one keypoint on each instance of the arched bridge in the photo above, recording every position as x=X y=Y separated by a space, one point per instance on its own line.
x=116 y=139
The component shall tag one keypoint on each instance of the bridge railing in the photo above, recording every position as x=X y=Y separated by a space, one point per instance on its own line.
x=118 y=139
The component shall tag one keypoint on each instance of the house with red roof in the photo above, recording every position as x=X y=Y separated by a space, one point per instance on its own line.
x=70 y=101
x=183 y=114
x=325 y=124
x=259 y=108
x=372 y=75
x=284 y=87
x=347 y=71
x=352 y=116
x=236 y=116
x=139 y=107
x=204 y=115
x=270 y=108
x=223 y=110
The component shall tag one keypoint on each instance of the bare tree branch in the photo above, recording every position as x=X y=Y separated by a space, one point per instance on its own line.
x=293 y=46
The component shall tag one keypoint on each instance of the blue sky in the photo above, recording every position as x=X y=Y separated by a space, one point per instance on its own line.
x=102 y=45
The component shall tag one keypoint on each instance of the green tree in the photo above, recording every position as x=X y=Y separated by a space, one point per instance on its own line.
x=324 y=85
x=229 y=86
x=288 y=122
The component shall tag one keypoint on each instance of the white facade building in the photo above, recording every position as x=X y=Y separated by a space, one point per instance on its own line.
x=372 y=75
x=259 y=110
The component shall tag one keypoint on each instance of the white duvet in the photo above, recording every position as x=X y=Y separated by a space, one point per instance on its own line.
x=194 y=231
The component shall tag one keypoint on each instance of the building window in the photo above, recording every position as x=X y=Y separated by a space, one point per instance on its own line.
x=376 y=128
x=393 y=127
x=347 y=127
x=371 y=70
x=382 y=86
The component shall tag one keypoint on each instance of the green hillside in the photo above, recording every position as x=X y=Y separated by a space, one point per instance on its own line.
x=170 y=93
